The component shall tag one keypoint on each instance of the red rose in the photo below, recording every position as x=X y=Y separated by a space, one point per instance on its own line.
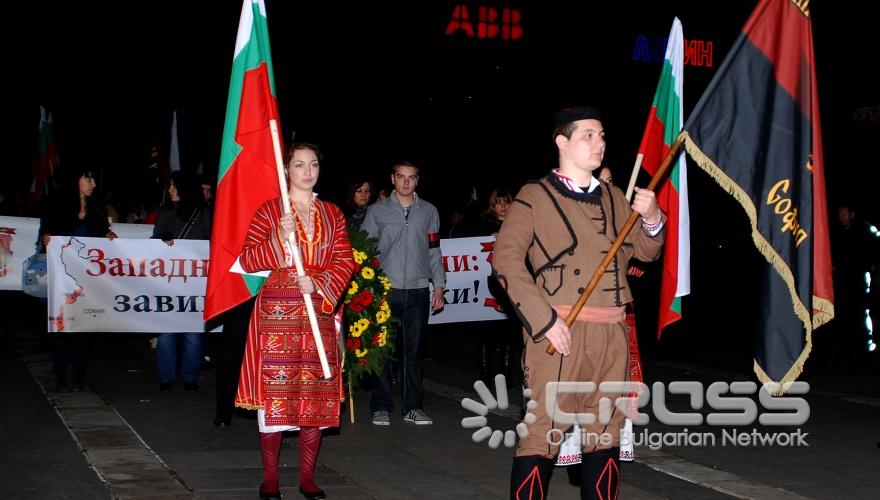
x=349 y=343
x=363 y=362
x=376 y=340
x=375 y=262
x=355 y=306
x=356 y=344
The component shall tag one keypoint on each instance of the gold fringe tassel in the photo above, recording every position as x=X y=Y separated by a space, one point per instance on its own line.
x=825 y=309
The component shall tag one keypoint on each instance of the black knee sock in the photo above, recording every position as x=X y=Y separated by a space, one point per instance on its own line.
x=600 y=474
x=530 y=477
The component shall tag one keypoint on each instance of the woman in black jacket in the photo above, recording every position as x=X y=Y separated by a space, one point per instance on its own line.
x=360 y=196
x=73 y=211
x=183 y=215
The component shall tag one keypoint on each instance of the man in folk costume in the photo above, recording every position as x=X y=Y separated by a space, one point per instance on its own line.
x=281 y=375
x=564 y=224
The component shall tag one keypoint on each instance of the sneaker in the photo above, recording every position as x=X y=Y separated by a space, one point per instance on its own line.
x=381 y=418
x=417 y=417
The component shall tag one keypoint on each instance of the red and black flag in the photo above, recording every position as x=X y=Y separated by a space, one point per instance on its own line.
x=756 y=131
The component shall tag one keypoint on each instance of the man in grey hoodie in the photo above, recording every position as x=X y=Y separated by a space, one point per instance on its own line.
x=409 y=249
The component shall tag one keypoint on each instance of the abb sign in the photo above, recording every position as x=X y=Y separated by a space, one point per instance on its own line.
x=490 y=23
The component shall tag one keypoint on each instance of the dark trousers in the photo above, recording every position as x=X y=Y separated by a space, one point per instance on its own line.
x=411 y=307
x=230 y=351
x=70 y=353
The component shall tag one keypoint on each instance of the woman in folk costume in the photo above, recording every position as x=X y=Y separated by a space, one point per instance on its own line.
x=281 y=373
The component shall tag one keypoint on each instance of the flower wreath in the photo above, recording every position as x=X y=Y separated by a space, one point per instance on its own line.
x=369 y=327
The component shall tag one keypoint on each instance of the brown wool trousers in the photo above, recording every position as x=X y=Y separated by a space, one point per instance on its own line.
x=599 y=353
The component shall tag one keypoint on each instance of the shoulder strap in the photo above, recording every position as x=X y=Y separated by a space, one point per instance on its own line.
x=189 y=224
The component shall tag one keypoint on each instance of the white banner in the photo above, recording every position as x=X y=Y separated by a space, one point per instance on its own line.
x=137 y=285
x=468 y=266
x=126 y=285
x=18 y=238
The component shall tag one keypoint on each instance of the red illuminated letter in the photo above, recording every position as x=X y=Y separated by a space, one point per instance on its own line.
x=460 y=21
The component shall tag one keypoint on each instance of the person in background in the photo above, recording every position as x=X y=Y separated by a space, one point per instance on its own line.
x=281 y=376
x=207 y=192
x=360 y=196
x=605 y=174
x=854 y=250
x=75 y=210
x=182 y=216
x=211 y=344
x=407 y=228
x=489 y=222
x=228 y=355
x=500 y=342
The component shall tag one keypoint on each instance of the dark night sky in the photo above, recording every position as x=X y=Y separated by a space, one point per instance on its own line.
x=372 y=82
x=401 y=89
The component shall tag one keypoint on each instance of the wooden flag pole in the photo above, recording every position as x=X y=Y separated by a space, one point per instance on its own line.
x=624 y=232
x=294 y=248
x=350 y=400
x=633 y=176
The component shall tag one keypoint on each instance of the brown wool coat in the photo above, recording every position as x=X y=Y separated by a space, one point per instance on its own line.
x=565 y=236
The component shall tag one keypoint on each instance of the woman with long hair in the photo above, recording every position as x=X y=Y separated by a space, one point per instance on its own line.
x=281 y=376
x=73 y=211
x=360 y=196
x=499 y=344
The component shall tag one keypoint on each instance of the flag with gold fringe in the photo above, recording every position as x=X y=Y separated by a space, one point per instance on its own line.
x=756 y=132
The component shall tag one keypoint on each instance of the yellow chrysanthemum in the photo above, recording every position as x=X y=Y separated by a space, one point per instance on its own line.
x=383 y=338
x=381 y=317
x=361 y=352
x=356 y=330
x=386 y=283
x=383 y=306
x=353 y=289
x=359 y=256
x=363 y=323
x=368 y=273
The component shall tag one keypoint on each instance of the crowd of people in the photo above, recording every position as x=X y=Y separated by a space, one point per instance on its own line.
x=550 y=235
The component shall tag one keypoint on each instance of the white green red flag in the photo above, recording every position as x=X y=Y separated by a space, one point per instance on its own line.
x=247 y=174
x=47 y=155
x=664 y=124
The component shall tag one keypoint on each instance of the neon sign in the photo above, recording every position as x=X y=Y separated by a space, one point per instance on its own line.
x=653 y=49
x=491 y=23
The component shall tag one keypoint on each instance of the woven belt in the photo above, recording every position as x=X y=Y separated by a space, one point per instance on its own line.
x=592 y=314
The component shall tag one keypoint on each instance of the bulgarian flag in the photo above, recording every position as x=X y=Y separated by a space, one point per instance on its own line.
x=247 y=175
x=47 y=155
x=664 y=124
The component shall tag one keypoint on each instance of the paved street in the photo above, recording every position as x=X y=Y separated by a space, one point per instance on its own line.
x=122 y=438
